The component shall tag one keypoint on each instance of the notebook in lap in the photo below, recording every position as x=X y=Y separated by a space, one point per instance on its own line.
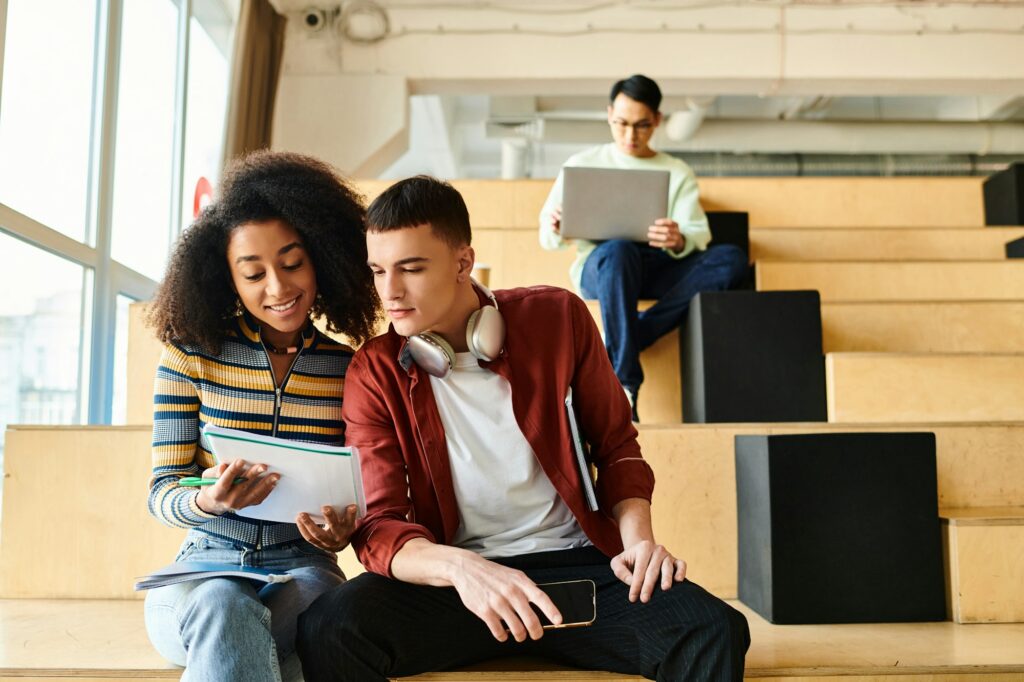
x=612 y=203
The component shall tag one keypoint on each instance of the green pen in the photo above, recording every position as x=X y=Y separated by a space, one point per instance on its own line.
x=196 y=482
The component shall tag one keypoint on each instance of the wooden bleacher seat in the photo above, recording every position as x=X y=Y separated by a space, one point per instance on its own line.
x=103 y=641
x=916 y=387
x=881 y=244
x=923 y=326
x=903 y=281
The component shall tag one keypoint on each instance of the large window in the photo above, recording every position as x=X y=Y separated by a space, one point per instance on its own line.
x=46 y=111
x=107 y=110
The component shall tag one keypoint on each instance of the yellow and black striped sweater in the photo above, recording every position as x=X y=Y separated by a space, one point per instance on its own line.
x=237 y=389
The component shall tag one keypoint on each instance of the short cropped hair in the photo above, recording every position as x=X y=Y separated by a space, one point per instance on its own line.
x=422 y=200
x=639 y=88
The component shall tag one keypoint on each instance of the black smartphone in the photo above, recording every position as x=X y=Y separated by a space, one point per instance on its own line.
x=575 y=600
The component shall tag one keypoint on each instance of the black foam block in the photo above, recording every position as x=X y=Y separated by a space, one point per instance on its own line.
x=753 y=356
x=1015 y=249
x=730 y=227
x=839 y=528
x=1004 y=196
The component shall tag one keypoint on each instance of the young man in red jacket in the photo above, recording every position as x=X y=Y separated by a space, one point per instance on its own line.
x=474 y=494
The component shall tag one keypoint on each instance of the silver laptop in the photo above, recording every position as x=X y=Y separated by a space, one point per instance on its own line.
x=611 y=203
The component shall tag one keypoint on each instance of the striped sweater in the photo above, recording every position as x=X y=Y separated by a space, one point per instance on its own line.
x=237 y=389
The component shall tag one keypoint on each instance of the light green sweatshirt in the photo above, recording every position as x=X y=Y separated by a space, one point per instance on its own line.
x=684 y=207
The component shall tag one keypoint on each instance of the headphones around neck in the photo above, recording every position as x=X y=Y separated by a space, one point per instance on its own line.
x=485 y=336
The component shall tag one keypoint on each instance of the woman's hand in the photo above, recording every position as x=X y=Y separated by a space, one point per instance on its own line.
x=334 y=535
x=227 y=496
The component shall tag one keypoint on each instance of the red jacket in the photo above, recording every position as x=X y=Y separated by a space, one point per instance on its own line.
x=390 y=415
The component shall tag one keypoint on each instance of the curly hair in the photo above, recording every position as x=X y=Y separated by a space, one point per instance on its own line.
x=196 y=304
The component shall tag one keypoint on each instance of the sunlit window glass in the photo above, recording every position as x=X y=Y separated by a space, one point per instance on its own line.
x=212 y=29
x=45 y=112
x=119 y=413
x=40 y=337
x=144 y=152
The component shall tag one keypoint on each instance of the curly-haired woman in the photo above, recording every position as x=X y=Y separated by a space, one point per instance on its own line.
x=281 y=245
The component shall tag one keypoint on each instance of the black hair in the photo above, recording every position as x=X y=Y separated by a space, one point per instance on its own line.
x=196 y=303
x=422 y=200
x=639 y=88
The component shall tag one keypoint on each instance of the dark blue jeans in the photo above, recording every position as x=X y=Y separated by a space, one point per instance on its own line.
x=619 y=273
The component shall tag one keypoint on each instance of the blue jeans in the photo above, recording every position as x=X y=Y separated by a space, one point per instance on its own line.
x=229 y=628
x=618 y=273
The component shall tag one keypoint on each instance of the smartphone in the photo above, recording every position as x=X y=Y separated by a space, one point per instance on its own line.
x=576 y=601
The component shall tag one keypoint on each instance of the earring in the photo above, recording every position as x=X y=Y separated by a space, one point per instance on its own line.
x=239 y=309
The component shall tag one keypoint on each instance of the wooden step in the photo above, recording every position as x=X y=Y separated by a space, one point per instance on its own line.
x=881 y=244
x=841 y=202
x=923 y=326
x=880 y=281
x=913 y=387
x=104 y=640
x=693 y=463
x=985 y=563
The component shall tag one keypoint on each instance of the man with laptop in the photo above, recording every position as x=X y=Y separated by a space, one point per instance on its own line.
x=482 y=523
x=639 y=230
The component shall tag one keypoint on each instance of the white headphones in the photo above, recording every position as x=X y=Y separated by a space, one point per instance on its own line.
x=485 y=336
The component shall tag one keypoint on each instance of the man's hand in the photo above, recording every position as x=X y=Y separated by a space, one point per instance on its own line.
x=227 y=496
x=644 y=565
x=665 y=234
x=336 y=531
x=555 y=222
x=496 y=593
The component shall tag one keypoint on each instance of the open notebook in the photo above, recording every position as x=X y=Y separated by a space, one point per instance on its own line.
x=312 y=475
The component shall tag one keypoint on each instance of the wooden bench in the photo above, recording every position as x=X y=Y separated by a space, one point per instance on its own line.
x=104 y=641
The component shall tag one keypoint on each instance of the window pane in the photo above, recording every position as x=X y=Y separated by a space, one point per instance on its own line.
x=46 y=110
x=143 y=177
x=119 y=413
x=40 y=337
x=208 y=73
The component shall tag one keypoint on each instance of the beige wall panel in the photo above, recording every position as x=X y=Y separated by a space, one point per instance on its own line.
x=987 y=568
x=75 y=522
x=849 y=202
x=143 y=358
x=924 y=327
x=881 y=244
x=879 y=387
x=930 y=281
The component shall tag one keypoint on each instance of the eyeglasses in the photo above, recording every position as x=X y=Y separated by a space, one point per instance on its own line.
x=641 y=127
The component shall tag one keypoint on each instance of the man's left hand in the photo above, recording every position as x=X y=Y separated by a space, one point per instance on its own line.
x=644 y=565
x=665 y=234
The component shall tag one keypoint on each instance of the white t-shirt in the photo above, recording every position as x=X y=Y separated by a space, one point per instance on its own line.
x=507 y=504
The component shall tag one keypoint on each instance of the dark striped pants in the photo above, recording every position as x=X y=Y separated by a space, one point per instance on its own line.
x=373 y=627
